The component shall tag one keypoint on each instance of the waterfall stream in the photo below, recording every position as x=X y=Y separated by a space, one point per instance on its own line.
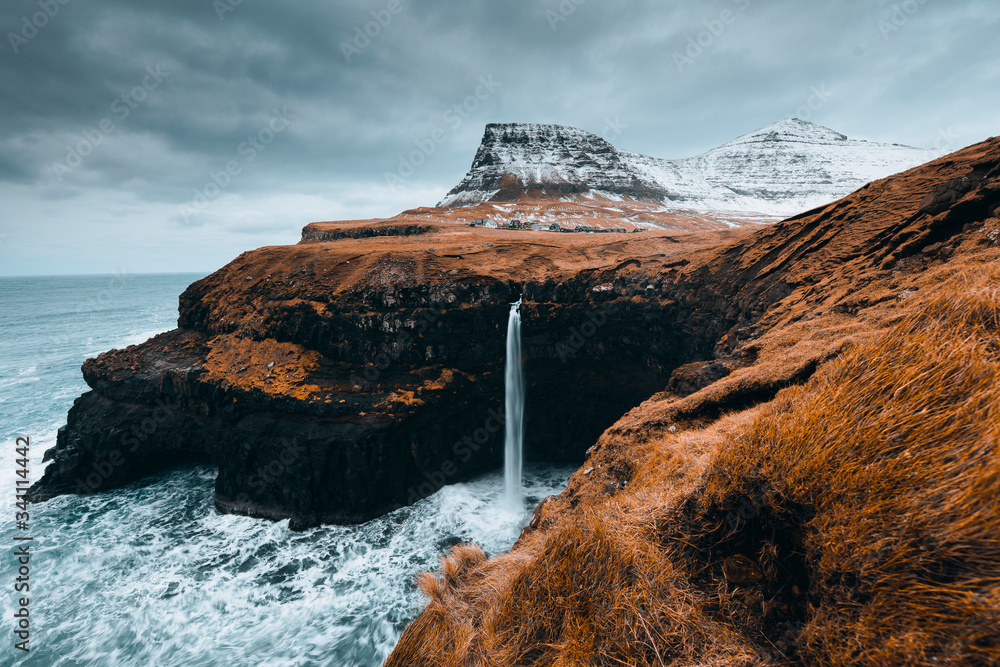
x=514 y=389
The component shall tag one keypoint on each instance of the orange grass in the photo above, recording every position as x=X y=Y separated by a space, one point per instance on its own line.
x=893 y=450
x=853 y=520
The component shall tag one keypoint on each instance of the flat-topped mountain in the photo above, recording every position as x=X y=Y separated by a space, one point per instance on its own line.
x=782 y=169
x=377 y=345
x=787 y=435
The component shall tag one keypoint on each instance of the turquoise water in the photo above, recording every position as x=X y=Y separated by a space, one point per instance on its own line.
x=151 y=574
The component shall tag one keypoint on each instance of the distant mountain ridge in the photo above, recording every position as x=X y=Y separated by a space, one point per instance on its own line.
x=779 y=170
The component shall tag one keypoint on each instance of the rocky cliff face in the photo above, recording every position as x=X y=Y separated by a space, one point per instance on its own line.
x=335 y=380
x=780 y=170
x=819 y=492
x=517 y=159
x=361 y=370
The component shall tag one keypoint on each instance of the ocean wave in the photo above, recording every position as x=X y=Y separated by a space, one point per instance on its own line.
x=153 y=574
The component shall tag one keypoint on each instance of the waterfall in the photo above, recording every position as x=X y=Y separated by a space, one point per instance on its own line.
x=514 y=416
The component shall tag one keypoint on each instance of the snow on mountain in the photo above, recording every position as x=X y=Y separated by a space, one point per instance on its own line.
x=780 y=170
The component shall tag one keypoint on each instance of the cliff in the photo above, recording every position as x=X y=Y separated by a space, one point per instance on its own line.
x=360 y=370
x=822 y=492
x=333 y=381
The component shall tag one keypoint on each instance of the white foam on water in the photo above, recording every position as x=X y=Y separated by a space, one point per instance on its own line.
x=152 y=574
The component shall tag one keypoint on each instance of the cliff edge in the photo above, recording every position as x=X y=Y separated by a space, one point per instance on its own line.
x=820 y=492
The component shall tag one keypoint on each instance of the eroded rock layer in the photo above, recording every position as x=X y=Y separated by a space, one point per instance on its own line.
x=333 y=381
x=778 y=170
x=823 y=492
x=361 y=370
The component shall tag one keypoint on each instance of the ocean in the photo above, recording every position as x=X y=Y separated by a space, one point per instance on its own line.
x=152 y=574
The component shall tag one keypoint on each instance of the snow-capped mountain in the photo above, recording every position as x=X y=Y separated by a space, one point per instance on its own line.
x=780 y=170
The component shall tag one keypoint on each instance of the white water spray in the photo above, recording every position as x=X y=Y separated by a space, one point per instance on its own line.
x=514 y=388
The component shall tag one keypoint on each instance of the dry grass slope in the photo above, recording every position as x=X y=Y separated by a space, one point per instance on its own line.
x=853 y=520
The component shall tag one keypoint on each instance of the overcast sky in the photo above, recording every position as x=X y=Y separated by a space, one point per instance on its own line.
x=174 y=137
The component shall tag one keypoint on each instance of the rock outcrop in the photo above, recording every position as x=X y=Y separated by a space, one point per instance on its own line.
x=335 y=380
x=361 y=370
x=779 y=170
x=822 y=492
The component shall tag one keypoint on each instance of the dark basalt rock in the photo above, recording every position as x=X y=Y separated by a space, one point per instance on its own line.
x=332 y=383
x=690 y=378
x=569 y=162
x=342 y=456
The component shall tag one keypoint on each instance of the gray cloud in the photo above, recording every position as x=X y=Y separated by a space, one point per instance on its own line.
x=909 y=72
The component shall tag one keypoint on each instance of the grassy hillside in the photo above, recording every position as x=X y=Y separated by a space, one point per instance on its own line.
x=850 y=518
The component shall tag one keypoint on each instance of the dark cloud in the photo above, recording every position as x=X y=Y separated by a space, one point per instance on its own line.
x=910 y=72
